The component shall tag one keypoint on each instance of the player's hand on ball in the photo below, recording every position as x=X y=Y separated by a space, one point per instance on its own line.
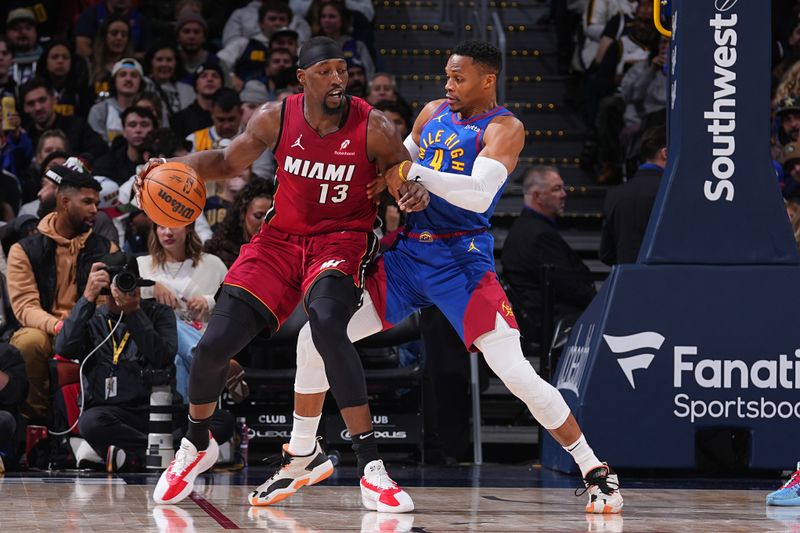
x=138 y=183
x=414 y=197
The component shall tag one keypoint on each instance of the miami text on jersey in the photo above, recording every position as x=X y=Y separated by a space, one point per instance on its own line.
x=318 y=170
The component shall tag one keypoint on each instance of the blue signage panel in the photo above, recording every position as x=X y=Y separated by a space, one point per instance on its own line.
x=719 y=202
x=666 y=351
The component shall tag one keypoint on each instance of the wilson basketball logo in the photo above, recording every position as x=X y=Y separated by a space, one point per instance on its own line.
x=177 y=207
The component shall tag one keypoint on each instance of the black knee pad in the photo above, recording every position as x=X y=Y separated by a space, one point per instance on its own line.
x=331 y=303
x=233 y=324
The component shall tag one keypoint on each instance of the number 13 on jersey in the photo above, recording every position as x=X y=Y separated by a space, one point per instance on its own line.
x=338 y=193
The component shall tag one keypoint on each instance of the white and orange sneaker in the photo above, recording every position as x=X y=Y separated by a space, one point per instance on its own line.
x=294 y=472
x=602 y=484
x=380 y=493
x=177 y=481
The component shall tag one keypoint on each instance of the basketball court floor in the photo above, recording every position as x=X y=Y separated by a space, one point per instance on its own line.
x=485 y=499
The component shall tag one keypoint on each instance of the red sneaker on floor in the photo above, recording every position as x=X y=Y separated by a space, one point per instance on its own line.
x=380 y=493
x=177 y=481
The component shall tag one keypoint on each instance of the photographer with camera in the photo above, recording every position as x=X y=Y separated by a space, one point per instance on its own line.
x=116 y=388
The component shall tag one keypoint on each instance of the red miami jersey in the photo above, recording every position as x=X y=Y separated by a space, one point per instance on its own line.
x=322 y=181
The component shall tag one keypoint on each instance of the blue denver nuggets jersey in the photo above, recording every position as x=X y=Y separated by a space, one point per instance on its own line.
x=450 y=145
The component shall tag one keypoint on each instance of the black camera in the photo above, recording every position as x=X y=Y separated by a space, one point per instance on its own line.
x=124 y=279
x=154 y=377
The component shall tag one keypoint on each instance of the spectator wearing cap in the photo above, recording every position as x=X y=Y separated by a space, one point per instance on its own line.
x=208 y=79
x=163 y=65
x=127 y=81
x=62 y=252
x=248 y=21
x=7 y=84
x=39 y=108
x=246 y=57
x=356 y=78
x=279 y=70
x=191 y=33
x=286 y=38
x=23 y=40
x=91 y=19
x=120 y=164
x=252 y=97
x=787 y=115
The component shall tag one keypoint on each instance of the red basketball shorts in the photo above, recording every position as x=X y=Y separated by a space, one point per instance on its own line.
x=277 y=269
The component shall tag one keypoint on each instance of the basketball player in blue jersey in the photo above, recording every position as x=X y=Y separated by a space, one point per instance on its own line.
x=465 y=146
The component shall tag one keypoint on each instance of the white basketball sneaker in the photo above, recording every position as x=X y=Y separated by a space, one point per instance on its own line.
x=380 y=493
x=177 y=481
x=295 y=472
x=602 y=484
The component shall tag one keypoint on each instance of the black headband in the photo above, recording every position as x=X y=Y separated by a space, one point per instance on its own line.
x=319 y=49
x=64 y=176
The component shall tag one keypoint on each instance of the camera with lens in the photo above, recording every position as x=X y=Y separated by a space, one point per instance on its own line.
x=154 y=377
x=160 y=451
x=124 y=279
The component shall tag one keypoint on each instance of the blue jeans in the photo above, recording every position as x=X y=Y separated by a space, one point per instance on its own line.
x=188 y=337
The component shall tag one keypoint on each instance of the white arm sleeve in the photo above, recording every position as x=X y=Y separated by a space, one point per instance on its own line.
x=473 y=192
x=412 y=147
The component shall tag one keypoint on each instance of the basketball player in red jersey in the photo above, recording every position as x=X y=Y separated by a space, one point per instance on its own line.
x=315 y=244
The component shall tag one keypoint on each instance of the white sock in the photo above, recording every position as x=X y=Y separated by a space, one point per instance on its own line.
x=583 y=455
x=304 y=434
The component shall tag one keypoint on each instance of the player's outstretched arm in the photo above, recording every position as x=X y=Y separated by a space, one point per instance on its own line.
x=261 y=134
x=386 y=149
x=502 y=143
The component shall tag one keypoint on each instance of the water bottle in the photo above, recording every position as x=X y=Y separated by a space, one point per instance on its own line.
x=8 y=108
x=244 y=437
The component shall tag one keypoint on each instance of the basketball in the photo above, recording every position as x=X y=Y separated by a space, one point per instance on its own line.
x=173 y=195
